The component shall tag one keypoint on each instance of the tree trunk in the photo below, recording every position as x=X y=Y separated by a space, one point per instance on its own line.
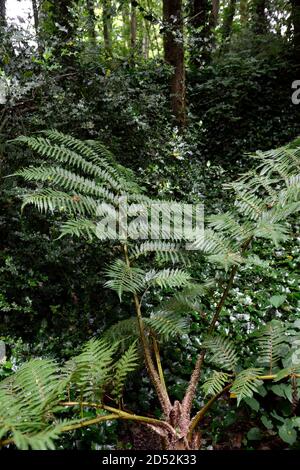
x=295 y=17
x=200 y=33
x=133 y=27
x=107 y=27
x=35 y=9
x=259 y=19
x=91 y=21
x=2 y=13
x=60 y=29
x=215 y=12
x=174 y=56
x=244 y=11
x=229 y=13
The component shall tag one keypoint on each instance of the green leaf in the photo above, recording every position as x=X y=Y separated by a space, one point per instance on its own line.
x=266 y=422
x=288 y=434
x=254 y=434
x=277 y=300
x=253 y=403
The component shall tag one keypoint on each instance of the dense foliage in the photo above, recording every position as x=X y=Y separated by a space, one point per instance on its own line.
x=161 y=100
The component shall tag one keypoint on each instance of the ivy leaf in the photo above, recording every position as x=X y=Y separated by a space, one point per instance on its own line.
x=277 y=300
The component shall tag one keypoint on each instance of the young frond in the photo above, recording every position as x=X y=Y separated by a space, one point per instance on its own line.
x=215 y=383
x=221 y=352
x=123 y=278
x=246 y=383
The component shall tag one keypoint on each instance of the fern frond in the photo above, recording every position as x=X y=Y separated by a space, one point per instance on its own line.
x=167 y=325
x=123 y=278
x=80 y=227
x=221 y=352
x=271 y=339
x=67 y=180
x=90 y=371
x=215 y=383
x=62 y=154
x=128 y=363
x=167 y=278
x=49 y=200
x=122 y=331
x=246 y=383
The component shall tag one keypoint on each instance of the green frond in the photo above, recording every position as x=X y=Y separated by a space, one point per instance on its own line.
x=122 y=331
x=221 y=352
x=62 y=154
x=67 y=180
x=43 y=440
x=128 y=363
x=188 y=299
x=271 y=339
x=36 y=384
x=250 y=205
x=49 y=200
x=215 y=383
x=152 y=246
x=80 y=227
x=104 y=158
x=246 y=384
x=218 y=248
x=227 y=223
x=167 y=278
x=90 y=371
x=123 y=278
x=167 y=324
x=27 y=399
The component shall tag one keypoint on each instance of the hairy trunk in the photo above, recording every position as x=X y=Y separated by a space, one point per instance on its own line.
x=174 y=56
